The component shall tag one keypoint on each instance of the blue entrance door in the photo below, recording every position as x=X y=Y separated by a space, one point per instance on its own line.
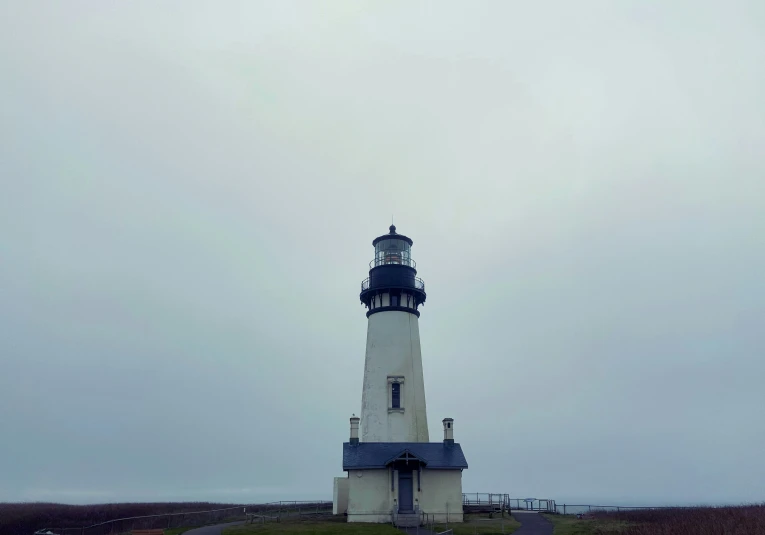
x=405 y=492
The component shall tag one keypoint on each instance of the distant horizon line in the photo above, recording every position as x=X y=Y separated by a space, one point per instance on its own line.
x=638 y=503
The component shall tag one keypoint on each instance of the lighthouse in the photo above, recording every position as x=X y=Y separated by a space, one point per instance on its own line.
x=393 y=393
x=393 y=473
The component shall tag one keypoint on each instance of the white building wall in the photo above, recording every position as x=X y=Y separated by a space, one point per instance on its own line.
x=340 y=496
x=441 y=494
x=369 y=496
x=393 y=349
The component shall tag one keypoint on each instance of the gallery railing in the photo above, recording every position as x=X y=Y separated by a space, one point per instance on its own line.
x=392 y=259
x=419 y=284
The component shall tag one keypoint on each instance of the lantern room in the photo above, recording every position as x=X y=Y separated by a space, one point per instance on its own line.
x=392 y=283
x=393 y=250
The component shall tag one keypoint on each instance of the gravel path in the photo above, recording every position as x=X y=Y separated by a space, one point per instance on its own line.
x=414 y=531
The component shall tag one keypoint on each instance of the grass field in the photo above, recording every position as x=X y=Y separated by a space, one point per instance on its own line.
x=571 y=525
x=329 y=526
x=482 y=525
x=474 y=524
x=741 y=520
x=26 y=518
x=175 y=517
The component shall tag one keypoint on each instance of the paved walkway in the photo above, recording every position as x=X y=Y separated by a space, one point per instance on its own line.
x=217 y=529
x=532 y=524
x=415 y=531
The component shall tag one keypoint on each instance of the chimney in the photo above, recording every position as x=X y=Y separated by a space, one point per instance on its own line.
x=354 y=430
x=448 y=431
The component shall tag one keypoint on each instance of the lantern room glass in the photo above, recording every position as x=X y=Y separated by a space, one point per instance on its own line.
x=393 y=251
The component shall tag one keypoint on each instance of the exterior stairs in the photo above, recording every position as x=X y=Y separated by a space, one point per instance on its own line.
x=407 y=520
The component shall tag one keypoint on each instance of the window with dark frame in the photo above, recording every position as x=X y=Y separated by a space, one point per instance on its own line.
x=396 y=395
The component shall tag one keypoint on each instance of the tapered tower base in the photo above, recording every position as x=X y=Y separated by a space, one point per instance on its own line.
x=393 y=397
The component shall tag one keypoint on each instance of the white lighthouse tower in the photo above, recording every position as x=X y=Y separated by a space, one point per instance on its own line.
x=394 y=473
x=393 y=395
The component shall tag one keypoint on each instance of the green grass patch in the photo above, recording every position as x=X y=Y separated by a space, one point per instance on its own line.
x=474 y=524
x=571 y=525
x=481 y=524
x=335 y=526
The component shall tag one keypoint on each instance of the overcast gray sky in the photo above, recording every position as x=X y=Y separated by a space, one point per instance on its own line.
x=189 y=190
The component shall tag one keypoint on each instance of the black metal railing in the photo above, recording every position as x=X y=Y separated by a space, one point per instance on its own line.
x=419 y=284
x=485 y=498
x=504 y=501
x=391 y=260
x=576 y=509
x=532 y=504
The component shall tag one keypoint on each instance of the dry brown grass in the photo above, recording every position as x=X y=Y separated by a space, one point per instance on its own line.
x=26 y=518
x=740 y=520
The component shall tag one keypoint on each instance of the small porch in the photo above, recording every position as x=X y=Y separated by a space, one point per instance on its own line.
x=408 y=466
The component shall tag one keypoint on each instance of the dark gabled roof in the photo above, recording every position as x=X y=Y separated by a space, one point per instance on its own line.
x=406 y=455
x=434 y=455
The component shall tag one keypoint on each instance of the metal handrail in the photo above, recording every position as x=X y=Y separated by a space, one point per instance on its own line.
x=485 y=498
x=419 y=284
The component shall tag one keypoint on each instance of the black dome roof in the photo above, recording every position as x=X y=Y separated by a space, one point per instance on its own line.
x=392 y=235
